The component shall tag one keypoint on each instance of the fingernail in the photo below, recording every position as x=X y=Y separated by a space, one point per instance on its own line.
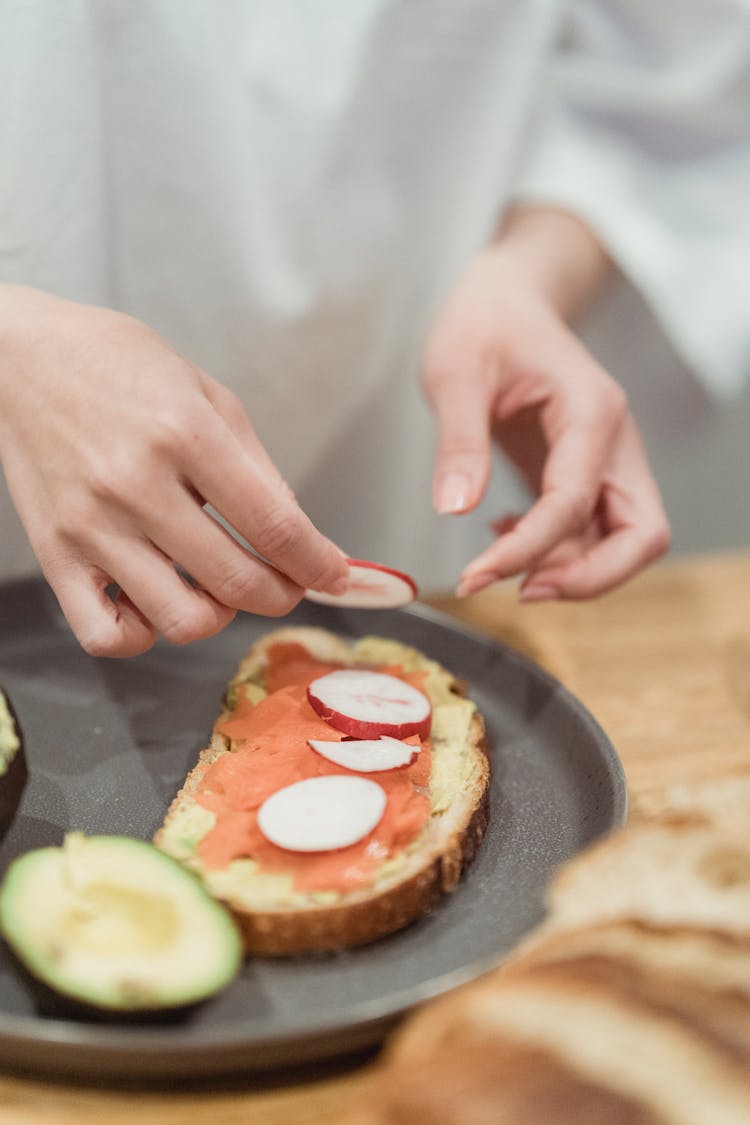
x=453 y=493
x=538 y=594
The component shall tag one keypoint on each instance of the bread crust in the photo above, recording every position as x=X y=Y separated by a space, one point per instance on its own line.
x=632 y=998
x=364 y=915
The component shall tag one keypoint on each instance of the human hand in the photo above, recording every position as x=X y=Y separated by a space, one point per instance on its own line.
x=111 y=444
x=501 y=364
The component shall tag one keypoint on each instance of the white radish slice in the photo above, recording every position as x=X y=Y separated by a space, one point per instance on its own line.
x=322 y=814
x=369 y=704
x=370 y=755
x=371 y=586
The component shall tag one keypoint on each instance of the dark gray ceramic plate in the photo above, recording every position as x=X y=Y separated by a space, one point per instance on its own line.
x=108 y=743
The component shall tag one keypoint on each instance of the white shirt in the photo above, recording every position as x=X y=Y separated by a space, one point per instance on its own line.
x=284 y=189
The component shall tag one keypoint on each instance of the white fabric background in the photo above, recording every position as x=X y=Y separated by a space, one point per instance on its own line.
x=285 y=190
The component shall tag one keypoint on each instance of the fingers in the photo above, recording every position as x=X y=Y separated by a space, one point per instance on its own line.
x=111 y=479
x=582 y=425
x=136 y=526
x=628 y=529
x=91 y=542
x=561 y=512
x=159 y=601
x=502 y=364
x=227 y=476
x=506 y=523
x=634 y=532
x=608 y=564
x=139 y=554
x=231 y=409
x=164 y=603
x=221 y=566
x=461 y=397
x=102 y=626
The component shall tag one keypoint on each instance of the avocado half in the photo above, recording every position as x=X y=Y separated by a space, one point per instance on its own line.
x=13 y=770
x=115 y=924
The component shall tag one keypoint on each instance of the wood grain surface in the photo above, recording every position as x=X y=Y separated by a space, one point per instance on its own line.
x=663 y=664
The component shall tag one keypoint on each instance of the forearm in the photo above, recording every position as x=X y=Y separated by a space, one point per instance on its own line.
x=558 y=253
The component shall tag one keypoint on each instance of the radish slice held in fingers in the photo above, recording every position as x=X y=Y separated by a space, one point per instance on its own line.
x=322 y=814
x=370 y=755
x=370 y=704
x=371 y=586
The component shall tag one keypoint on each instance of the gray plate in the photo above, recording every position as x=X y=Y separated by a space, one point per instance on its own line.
x=108 y=743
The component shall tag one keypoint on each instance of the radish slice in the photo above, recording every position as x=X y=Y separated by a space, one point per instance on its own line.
x=371 y=755
x=371 y=586
x=368 y=704
x=322 y=814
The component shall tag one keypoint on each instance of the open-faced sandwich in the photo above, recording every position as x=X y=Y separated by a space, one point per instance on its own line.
x=344 y=791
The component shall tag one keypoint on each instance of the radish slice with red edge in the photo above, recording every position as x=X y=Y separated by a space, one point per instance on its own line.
x=371 y=586
x=322 y=814
x=370 y=755
x=369 y=704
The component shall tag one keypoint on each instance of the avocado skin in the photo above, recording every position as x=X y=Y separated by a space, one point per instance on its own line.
x=13 y=780
x=51 y=1004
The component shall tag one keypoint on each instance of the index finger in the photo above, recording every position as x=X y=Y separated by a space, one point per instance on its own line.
x=226 y=475
x=460 y=400
x=232 y=411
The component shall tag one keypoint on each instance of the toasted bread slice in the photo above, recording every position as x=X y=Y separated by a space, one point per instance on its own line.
x=603 y=1047
x=681 y=873
x=630 y=1003
x=684 y=956
x=278 y=917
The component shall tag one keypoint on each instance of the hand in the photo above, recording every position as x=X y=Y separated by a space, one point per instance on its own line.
x=112 y=443
x=502 y=364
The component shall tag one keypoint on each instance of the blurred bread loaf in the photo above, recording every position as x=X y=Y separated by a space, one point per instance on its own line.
x=630 y=1005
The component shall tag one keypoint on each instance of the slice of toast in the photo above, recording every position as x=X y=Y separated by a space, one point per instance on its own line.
x=276 y=915
x=601 y=1049
x=665 y=874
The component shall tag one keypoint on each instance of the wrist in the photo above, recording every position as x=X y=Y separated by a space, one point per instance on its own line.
x=556 y=254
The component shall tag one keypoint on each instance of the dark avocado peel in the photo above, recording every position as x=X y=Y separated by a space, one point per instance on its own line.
x=113 y=924
x=13 y=769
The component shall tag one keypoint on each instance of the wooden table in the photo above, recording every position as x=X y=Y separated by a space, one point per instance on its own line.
x=664 y=665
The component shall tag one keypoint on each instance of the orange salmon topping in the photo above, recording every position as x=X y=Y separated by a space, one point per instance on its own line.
x=270 y=750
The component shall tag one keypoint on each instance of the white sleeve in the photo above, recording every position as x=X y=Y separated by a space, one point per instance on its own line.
x=643 y=130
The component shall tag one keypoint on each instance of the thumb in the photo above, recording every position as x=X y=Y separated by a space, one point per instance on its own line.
x=461 y=401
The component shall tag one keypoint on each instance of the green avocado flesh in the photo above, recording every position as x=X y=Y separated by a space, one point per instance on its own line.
x=116 y=924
